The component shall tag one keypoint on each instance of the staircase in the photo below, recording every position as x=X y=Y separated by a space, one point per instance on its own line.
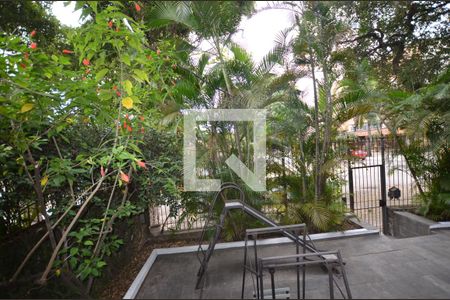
x=204 y=255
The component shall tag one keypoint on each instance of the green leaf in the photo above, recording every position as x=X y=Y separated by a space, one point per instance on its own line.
x=86 y=252
x=73 y=262
x=64 y=60
x=88 y=243
x=95 y=272
x=126 y=59
x=73 y=251
x=141 y=75
x=85 y=273
x=101 y=74
x=101 y=264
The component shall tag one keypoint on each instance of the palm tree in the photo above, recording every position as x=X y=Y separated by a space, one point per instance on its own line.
x=318 y=34
x=233 y=80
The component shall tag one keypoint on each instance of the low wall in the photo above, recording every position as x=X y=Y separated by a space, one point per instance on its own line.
x=403 y=223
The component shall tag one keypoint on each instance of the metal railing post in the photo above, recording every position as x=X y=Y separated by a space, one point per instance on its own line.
x=350 y=187
x=383 y=201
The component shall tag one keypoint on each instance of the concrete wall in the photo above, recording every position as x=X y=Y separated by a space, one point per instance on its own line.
x=403 y=223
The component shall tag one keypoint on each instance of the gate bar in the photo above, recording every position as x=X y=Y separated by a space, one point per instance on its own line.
x=383 y=190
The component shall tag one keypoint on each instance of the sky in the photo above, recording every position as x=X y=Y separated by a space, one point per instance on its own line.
x=255 y=34
x=66 y=15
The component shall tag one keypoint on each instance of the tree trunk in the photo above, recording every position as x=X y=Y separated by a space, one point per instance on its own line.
x=230 y=94
x=303 y=168
x=283 y=164
x=317 y=129
x=327 y=120
x=40 y=195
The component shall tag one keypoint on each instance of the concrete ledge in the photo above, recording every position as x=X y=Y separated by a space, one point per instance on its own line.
x=136 y=285
x=361 y=223
x=440 y=225
x=403 y=224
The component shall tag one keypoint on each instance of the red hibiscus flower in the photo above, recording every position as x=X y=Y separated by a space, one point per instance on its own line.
x=141 y=164
x=124 y=177
x=137 y=7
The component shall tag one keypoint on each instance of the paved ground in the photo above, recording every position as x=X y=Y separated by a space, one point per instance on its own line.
x=377 y=267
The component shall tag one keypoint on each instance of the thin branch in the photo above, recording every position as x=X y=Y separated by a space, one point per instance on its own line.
x=28 y=89
x=36 y=246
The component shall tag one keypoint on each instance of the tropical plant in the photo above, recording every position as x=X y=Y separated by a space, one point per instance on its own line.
x=425 y=117
x=107 y=86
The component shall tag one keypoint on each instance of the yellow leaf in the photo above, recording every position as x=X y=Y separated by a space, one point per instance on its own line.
x=26 y=107
x=127 y=102
x=129 y=87
x=44 y=180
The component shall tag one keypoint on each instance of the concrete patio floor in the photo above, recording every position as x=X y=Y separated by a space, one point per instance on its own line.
x=377 y=267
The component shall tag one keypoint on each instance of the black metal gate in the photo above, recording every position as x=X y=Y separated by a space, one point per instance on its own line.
x=367 y=180
x=374 y=166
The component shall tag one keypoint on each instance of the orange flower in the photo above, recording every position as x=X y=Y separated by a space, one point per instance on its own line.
x=141 y=164
x=65 y=51
x=33 y=33
x=118 y=94
x=137 y=7
x=141 y=118
x=110 y=24
x=158 y=51
x=129 y=128
x=125 y=125
x=127 y=117
x=124 y=177
x=102 y=171
x=33 y=45
x=86 y=62
x=114 y=87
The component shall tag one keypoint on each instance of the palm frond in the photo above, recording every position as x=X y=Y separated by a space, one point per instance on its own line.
x=166 y=12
